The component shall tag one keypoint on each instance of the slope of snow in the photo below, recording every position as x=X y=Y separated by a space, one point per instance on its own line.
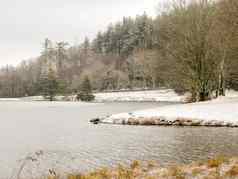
x=219 y=112
x=167 y=95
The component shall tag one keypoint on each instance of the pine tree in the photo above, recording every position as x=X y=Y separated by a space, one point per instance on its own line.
x=98 y=43
x=49 y=85
x=85 y=91
x=61 y=56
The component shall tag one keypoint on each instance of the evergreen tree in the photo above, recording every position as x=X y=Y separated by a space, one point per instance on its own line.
x=49 y=85
x=98 y=43
x=61 y=56
x=85 y=91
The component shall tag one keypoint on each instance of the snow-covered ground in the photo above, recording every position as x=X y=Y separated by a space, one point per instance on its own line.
x=165 y=95
x=9 y=99
x=41 y=98
x=219 y=112
x=162 y=95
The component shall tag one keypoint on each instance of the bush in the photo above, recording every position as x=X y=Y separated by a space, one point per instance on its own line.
x=85 y=96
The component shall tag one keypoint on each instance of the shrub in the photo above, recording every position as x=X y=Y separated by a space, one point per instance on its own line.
x=85 y=96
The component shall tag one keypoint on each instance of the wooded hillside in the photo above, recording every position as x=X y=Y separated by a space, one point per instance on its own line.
x=189 y=47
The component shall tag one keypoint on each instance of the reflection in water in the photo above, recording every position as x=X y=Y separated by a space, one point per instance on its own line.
x=66 y=141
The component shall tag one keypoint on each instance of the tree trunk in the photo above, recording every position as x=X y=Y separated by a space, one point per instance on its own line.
x=51 y=98
x=203 y=96
x=221 y=83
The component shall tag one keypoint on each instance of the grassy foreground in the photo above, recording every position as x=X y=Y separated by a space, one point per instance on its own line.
x=219 y=168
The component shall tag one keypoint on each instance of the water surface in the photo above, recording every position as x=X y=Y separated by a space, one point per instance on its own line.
x=67 y=141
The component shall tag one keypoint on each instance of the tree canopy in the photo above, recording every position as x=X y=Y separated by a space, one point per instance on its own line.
x=192 y=46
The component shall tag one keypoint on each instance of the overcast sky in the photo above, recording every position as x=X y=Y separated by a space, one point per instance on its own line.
x=24 y=24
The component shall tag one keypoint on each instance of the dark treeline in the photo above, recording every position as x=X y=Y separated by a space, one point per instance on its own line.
x=189 y=47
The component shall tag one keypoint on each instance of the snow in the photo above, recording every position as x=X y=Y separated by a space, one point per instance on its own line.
x=166 y=95
x=222 y=111
x=9 y=99
x=41 y=98
x=33 y=98
x=162 y=95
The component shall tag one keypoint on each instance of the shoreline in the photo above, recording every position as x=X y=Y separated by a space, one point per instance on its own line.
x=158 y=95
x=217 y=168
x=221 y=112
x=162 y=122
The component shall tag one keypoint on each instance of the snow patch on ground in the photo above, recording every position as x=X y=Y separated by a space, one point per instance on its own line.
x=162 y=95
x=220 y=112
x=165 y=95
x=9 y=99
x=33 y=98
x=41 y=98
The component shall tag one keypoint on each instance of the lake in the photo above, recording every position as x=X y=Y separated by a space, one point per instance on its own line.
x=38 y=136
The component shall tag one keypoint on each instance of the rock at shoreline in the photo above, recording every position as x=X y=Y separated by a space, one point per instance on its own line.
x=95 y=121
x=161 y=121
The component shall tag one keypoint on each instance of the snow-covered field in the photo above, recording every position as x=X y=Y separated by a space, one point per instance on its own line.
x=41 y=98
x=9 y=99
x=219 y=112
x=162 y=95
x=165 y=95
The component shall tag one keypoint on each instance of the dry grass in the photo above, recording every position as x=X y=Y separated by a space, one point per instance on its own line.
x=212 y=169
x=135 y=164
x=176 y=172
x=214 y=163
x=196 y=171
x=233 y=171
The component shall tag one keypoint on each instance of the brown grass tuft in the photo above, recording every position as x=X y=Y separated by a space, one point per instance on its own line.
x=176 y=172
x=214 y=163
x=233 y=171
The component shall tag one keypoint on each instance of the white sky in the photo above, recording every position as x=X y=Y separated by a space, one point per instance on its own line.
x=24 y=24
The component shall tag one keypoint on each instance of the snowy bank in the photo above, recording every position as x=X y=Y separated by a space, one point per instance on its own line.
x=9 y=99
x=41 y=98
x=162 y=95
x=165 y=95
x=219 y=112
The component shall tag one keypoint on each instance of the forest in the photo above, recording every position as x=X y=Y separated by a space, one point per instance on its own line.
x=190 y=47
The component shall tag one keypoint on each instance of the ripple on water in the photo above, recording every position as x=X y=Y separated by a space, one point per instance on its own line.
x=69 y=143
